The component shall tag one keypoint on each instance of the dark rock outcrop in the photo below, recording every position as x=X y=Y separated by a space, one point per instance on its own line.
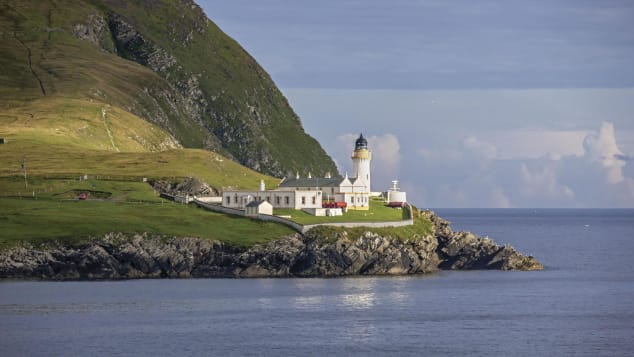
x=119 y=256
x=191 y=186
x=465 y=250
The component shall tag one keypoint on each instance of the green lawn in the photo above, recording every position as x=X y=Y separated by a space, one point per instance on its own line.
x=116 y=206
x=422 y=227
x=377 y=212
x=62 y=189
x=44 y=220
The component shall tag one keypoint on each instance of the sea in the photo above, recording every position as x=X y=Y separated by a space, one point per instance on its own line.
x=581 y=304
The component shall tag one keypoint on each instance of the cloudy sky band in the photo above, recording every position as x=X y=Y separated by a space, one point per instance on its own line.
x=469 y=104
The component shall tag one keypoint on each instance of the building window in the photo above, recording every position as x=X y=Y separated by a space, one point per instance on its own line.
x=314 y=199
x=303 y=200
x=268 y=199
x=235 y=199
x=228 y=200
x=286 y=200
x=277 y=200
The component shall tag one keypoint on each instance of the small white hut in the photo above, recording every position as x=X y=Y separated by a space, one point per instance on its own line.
x=255 y=208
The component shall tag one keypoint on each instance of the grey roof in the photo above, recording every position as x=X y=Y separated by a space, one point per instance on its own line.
x=255 y=203
x=311 y=182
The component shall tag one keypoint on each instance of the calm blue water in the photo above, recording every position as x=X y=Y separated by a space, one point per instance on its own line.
x=582 y=304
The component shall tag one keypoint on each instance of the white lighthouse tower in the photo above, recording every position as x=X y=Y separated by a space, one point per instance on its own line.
x=361 y=157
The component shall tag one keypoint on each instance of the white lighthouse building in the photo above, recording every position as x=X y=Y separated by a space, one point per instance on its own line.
x=312 y=192
x=361 y=158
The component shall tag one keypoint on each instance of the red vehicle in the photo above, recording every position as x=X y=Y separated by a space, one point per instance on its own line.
x=334 y=205
x=82 y=196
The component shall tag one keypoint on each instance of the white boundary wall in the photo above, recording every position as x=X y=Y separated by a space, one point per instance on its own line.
x=304 y=228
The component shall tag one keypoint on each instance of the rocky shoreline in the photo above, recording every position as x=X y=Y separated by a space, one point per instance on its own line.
x=319 y=253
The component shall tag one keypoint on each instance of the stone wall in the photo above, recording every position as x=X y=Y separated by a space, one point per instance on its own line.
x=305 y=228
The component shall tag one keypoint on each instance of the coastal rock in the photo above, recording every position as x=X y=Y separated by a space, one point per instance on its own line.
x=465 y=250
x=191 y=186
x=318 y=253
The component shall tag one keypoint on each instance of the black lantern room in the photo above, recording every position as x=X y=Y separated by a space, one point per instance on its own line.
x=361 y=143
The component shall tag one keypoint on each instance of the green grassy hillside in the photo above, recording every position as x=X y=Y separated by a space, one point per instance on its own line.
x=161 y=60
x=124 y=90
x=92 y=138
x=61 y=139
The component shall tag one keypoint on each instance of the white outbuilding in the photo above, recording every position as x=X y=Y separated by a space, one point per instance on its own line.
x=255 y=208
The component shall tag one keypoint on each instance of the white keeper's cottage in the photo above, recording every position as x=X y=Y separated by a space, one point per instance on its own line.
x=311 y=192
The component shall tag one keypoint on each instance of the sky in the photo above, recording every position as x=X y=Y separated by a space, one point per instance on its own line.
x=467 y=103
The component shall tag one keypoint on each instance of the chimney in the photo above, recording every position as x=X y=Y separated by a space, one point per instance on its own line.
x=262 y=186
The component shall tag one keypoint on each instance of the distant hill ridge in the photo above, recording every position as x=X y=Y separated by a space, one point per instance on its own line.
x=160 y=60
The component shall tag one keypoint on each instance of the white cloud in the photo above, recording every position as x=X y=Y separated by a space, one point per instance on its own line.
x=542 y=182
x=386 y=152
x=534 y=144
x=472 y=173
x=481 y=149
x=440 y=155
x=604 y=149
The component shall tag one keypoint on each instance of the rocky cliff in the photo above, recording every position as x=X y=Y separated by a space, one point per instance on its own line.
x=118 y=256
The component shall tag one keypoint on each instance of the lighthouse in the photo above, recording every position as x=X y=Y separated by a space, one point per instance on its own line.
x=312 y=193
x=361 y=157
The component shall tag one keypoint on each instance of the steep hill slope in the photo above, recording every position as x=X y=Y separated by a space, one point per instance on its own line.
x=161 y=60
x=72 y=137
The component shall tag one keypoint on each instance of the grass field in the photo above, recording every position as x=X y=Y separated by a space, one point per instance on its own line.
x=421 y=228
x=57 y=161
x=378 y=212
x=38 y=221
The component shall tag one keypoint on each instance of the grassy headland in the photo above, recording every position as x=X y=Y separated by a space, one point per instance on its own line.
x=119 y=91
x=127 y=207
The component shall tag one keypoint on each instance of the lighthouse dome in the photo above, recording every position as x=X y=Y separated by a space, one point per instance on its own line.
x=361 y=143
